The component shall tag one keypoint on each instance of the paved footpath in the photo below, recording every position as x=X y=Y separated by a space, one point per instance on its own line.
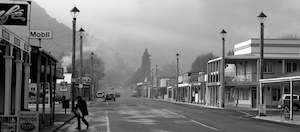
x=143 y=115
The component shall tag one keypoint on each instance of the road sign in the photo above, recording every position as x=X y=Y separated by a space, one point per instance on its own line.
x=40 y=34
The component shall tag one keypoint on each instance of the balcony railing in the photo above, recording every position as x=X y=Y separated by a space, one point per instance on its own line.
x=248 y=77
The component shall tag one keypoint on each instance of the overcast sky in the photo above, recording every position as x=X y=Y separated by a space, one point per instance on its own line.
x=190 y=27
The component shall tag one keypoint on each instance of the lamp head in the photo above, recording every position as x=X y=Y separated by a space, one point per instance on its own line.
x=81 y=30
x=261 y=17
x=75 y=11
x=223 y=33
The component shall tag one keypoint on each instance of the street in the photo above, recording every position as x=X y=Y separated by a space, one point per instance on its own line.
x=144 y=115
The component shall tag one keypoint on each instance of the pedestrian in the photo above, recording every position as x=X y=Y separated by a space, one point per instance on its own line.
x=81 y=111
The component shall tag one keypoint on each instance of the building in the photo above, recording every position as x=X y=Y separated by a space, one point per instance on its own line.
x=63 y=86
x=281 y=57
x=14 y=69
x=191 y=87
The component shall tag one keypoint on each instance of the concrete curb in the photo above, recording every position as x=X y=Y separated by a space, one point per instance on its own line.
x=60 y=126
x=275 y=121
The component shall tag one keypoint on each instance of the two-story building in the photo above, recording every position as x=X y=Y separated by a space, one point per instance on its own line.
x=242 y=70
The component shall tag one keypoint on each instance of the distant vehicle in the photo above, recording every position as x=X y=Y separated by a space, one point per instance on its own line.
x=100 y=94
x=284 y=101
x=110 y=97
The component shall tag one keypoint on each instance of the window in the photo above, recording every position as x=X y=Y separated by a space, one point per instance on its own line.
x=291 y=67
x=268 y=68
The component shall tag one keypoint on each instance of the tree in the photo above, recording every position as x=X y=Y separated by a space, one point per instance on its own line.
x=200 y=63
x=144 y=71
x=168 y=70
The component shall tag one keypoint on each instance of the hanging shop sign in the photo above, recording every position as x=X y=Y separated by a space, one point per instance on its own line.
x=13 y=14
x=28 y=122
x=8 y=123
x=40 y=34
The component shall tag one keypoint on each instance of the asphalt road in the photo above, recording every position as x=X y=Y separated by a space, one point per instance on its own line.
x=144 y=115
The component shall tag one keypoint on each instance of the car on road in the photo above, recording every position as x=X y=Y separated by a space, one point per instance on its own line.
x=284 y=101
x=100 y=94
x=110 y=96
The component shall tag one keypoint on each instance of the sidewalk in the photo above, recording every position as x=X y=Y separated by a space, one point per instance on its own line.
x=295 y=121
x=60 y=119
x=273 y=115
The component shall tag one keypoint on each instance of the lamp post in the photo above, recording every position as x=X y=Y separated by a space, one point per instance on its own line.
x=177 y=73
x=93 y=76
x=74 y=13
x=81 y=30
x=222 y=89
x=261 y=18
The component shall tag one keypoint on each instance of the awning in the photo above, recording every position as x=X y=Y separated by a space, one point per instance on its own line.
x=280 y=79
x=14 y=39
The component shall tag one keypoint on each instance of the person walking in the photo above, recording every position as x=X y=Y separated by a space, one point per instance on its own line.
x=81 y=111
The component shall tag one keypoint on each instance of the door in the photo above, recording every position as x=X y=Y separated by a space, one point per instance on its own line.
x=253 y=97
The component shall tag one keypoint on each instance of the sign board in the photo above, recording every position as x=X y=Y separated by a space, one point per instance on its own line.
x=80 y=85
x=8 y=123
x=64 y=88
x=28 y=121
x=40 y=34
x=59 y=73
x=13 y=14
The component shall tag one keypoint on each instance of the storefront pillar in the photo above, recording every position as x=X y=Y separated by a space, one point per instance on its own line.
x=26 y=84
x=19 y=63
x=8 y=72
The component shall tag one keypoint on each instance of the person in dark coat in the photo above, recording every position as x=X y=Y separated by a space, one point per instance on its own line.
x=82 y=111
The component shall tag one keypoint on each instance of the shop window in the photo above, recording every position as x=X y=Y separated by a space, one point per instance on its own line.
x=291 y=67
x=268 y=68
x=244 y=94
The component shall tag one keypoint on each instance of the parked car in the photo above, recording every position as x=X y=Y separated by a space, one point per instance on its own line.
x=100 y=94
x=284 y=101
x=110 y=97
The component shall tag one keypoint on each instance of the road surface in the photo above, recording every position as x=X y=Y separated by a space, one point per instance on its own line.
x=144 y=115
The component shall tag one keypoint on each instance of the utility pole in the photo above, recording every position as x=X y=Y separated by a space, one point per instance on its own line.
x=222 y=89
x=81 y=64
x=92 y=88
x=177 y=73
x=156 y=77
x=74 y=12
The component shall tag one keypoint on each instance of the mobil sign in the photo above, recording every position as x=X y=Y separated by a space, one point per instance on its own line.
x=40 y=34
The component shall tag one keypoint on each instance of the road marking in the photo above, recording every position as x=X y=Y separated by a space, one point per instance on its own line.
x=106 y=102
x=107 y=122
x=205 y=125
x=199 y=123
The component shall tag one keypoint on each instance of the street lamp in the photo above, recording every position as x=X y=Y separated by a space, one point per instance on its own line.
x=74 y=13
x=81 y=30
x=93 y=76
x=223 y=34
x=261 y=18
x=177 y=72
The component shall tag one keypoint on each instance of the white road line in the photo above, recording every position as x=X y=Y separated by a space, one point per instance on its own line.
x=199 y=123
x=107 y=122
